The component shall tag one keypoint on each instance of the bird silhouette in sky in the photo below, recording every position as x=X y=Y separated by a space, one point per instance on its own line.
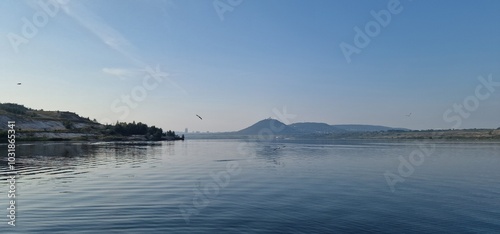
x=279 y=147
x=18 y=83
x=199 y=117
x=408 y=115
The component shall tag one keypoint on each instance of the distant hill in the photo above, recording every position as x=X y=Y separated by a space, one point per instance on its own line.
x=268 y=124
x=366 y=128
x=279 y=128
x=311 y=130
x=310 y=127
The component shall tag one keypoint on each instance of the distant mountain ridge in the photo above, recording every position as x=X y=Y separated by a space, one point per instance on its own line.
x=279 y=128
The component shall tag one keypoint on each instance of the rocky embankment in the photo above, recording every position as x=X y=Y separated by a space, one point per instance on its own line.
x=40 y=125
x=47 y=125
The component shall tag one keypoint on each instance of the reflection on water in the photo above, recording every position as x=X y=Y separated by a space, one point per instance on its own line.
x=68 y=158
x=271 y=187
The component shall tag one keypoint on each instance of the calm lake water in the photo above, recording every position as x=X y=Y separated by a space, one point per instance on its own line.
x=235 y=186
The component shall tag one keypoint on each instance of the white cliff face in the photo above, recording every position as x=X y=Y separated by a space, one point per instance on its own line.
x=49 y=125
x=52 y=135
x=39 y=125
x=3 y=122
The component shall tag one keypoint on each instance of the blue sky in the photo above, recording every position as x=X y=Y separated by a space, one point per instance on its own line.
x=264 y=55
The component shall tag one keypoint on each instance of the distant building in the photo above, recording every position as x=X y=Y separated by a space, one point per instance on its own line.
x=186 y=130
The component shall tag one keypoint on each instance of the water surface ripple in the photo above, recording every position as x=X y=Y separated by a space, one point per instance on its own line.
x=232 y=186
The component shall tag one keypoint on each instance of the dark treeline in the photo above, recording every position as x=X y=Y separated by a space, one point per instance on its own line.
x=152 y=133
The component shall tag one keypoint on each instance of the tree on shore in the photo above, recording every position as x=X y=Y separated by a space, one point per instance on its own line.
x=151 y=133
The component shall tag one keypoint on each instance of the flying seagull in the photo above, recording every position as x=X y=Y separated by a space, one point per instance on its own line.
x=408 y=115
x=279 y=147
x=19 y=83
x=199 y=117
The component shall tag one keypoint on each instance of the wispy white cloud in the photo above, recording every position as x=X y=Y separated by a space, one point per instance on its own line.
x=107 y=34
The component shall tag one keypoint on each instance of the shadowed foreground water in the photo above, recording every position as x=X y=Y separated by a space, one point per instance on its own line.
x=232 y=186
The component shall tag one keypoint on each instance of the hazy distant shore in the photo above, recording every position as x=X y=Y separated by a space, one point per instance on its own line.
x=40 y=125
x=466 y=134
